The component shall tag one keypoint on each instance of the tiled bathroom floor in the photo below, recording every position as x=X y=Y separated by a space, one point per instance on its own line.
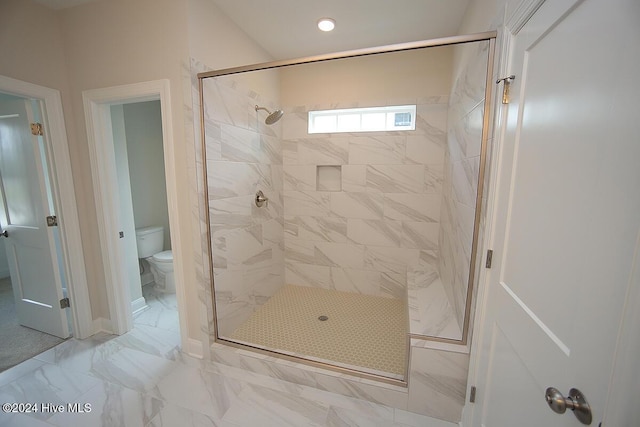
x=142 y=379
x=362 y=332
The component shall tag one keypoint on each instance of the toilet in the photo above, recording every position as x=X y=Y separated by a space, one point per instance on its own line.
x=150 y=242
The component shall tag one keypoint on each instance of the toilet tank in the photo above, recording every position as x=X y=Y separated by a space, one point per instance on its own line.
x=150 y=241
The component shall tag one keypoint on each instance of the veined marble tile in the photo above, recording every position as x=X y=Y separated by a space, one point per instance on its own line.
x=317 y=229
x=289 y=152
x=231 y=213
x=378 y=150
x=377 y=232
x=341 y=254
x=357 y=205
x=340 y=417
x=323 y=151
x=79 y=355
x=18 y=419
x=364 y=391
x=111 y=405
x=260 y=406
x=295 y=123
x=271 y=149
x=232 y=312
x=389 y=260
x=232 y=179
x=224 y=104
x=134 y=369
x=151 y=340
x=465 y=177
x=354 y=178
x=433 y=179
x=438 y=383
x=396 y=178
x=300 y=177
x=393 y=285
x=174 y=415
x=356 y=281
x=198 y=390
x=241 y=145
x=409 y=419
x=412 y=207
x=431 y=121
x=307 y=203
x=47 y=384
x=420 y=235
x=19 y=370
x=430 y=312
x=243 y=244
x=424 y=151
x=308 y=275
x=473 y=123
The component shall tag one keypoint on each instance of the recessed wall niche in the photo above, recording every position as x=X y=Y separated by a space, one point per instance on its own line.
x=329 y=178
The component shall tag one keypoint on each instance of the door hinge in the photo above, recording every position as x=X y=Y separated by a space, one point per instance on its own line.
x=36 y=129
x=52 y=221
x=65 y=303
x=489 y=258
x=472 y=394
x=505 y=88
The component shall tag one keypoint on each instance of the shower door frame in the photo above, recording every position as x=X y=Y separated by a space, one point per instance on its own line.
x=489 y=36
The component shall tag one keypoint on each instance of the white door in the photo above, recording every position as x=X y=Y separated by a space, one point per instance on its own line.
x=567 y=214
x=30 y=243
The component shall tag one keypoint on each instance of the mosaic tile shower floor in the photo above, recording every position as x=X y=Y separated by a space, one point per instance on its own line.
x=362 y=332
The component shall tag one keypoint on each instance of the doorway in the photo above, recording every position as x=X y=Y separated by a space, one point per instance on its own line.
x=41 y=263
x=115 y=239
x=144 y=216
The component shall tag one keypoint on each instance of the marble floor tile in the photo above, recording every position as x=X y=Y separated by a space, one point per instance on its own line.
x=142 y=379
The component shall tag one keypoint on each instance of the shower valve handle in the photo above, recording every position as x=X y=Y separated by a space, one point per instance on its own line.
x=261 y=199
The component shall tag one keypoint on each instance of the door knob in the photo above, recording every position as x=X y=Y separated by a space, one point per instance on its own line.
x=4 y=233
x=576 y=402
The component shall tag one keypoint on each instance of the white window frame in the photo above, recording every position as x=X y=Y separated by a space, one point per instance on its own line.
x=351 y=119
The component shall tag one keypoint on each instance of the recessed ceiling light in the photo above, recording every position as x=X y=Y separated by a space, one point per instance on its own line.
x=326 y=24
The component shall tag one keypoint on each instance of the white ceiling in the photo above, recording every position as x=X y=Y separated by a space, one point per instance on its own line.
x=287 y=28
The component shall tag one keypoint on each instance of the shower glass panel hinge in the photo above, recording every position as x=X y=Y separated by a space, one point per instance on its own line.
x=36 y=129
x=489 y=258
x=505 y=88
x=65 y=303
x=472 y=394
x=52 y=221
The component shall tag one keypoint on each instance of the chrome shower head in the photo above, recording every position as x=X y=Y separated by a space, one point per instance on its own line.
x=272 y=117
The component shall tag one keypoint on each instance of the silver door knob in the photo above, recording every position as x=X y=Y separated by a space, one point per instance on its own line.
x=576 y=402
x=4 y=233
x=261 y=199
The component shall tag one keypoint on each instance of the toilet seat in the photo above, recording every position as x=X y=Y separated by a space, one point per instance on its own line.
x=164 y=256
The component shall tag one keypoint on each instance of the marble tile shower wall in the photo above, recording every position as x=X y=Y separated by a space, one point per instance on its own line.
x=244 y=155
x=381 y=222
x=462 y=162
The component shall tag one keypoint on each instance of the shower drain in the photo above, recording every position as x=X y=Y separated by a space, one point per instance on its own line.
x=323 y=318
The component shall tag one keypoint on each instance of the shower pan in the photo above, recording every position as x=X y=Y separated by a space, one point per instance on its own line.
x=343 y=246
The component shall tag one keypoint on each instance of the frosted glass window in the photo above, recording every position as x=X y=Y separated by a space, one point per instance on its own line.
x=370 y=119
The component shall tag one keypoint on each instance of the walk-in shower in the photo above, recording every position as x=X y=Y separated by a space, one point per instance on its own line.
x=373 y=166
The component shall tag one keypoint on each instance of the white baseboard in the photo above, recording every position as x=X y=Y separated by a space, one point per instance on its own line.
x=139 y=305
x=102 y=325
x=195 y=348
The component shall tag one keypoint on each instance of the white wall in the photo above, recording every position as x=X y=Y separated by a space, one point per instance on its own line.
x=143 y=127
x=4 y=263
x=126 y=209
